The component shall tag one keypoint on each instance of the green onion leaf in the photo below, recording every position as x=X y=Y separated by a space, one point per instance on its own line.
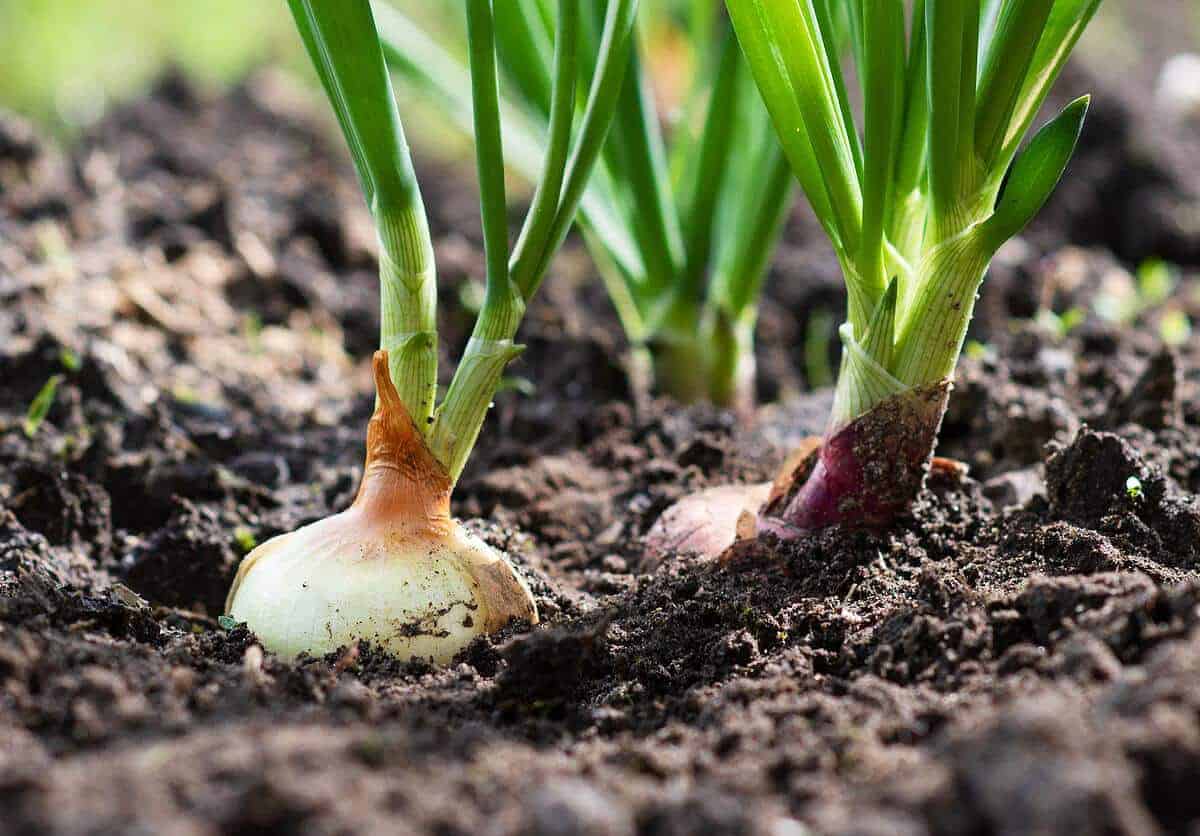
x=540 y=220
x=501 y=302
x=1009 y=56
x=525 y=47
x=1067 y=21
x=1035 y=173
x=883 y=80
x=953 y=27
x=344 y=46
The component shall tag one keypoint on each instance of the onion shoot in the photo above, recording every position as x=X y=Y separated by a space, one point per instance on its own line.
x=915 y=203
x=396 y=568
x=681 y=225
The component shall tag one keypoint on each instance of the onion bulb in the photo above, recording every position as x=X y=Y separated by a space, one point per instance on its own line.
x=394 y=568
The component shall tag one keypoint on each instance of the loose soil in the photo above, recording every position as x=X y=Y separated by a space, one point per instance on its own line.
x=1020 y=655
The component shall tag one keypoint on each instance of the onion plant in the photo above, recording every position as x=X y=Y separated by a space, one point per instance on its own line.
x=396 y=568
x=916 y=197
x=682 y=228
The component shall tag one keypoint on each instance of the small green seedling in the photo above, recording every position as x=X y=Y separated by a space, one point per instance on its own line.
x=1175 y=328
x=245 y=539
x=39 y=407
x=1154 y=282
x=979 y=351
x=1061 y=324
x=1133 y=488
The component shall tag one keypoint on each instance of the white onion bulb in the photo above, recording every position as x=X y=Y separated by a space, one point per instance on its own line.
x=393 y=569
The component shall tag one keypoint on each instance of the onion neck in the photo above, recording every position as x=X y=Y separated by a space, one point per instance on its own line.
x=403 y=484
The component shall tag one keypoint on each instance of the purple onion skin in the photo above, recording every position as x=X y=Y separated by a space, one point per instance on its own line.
x=867 y=473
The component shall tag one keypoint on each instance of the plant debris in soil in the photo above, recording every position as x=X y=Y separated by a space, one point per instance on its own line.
x=1020 y=655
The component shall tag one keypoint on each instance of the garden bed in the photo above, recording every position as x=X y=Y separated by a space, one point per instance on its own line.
x=1019 y=655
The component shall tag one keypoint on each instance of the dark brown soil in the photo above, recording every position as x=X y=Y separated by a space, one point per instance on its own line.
x=1021 y=655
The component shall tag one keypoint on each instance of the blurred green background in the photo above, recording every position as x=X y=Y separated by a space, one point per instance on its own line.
x=62 y=62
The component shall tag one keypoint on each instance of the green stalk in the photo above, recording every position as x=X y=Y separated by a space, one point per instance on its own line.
x=503 y=304
x=491 y=348
x=743 y=188
x=615 y=46
x=816 y=95
x=907 y=215
x=825 y=21
x=519 y=28
x=1011 y=51
x=424 y=66
x=408 y=307
x=801 y=93
x=883 y=78
x=688 y=346
x=637 y=145
x=540 y=220
x=931 y=337
x=731 y=310
x=755 y=228
x=953 y=27
x=731 y=367
x=712 y=164
x=343 y=44
x=1068 y=19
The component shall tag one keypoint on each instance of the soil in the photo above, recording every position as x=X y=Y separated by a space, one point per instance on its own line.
x=1020 y=655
